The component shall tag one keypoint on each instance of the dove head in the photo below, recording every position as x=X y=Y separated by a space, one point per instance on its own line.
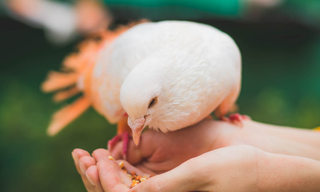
x=141 y=96
x=157 y=94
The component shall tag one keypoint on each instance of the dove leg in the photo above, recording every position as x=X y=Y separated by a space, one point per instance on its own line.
x=122 y=134
x=125 y=141
x=236 y=119
x=113 y=142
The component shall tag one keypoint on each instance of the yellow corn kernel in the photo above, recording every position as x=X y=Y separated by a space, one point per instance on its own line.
x=121 y=164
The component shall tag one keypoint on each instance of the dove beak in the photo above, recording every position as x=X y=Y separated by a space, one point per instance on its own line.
x=137 y=127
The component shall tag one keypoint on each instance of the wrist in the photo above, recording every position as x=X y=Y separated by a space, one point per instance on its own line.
x=282 y=140
x=231 y=168
x=287 y=173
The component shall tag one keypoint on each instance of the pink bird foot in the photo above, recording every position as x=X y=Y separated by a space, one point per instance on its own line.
x=236 y=119
x=125 y=137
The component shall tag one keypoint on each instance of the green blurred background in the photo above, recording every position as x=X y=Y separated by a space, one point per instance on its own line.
x=281 y=85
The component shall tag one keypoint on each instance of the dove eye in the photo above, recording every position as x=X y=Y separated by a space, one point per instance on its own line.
x=152 y=102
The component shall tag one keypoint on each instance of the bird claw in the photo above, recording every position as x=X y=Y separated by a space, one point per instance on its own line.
x=125 y=137
x=236 y=119
x=113 y=142
x=125 y=140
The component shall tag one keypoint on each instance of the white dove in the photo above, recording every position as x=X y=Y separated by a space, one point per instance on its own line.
x=165 y=75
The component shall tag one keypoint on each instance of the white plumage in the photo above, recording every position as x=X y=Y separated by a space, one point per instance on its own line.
x=186 y=69
x=191 y=68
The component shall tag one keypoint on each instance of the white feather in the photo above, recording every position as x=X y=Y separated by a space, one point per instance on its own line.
x=191 y=68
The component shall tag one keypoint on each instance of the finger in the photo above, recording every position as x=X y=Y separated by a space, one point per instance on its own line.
x=101 y=154
x=76 y=155
x=137 y=153
x=85 y=162
x=116 y=152
x=110 y=177
x=131 y=169
x=133 y=153
x=92 y=175
x=124 y=172
x=87 y=184
x=145 y=169
x=181 y=179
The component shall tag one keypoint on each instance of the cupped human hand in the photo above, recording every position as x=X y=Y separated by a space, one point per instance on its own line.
x=197 y=174
x=99 y=173
x=226 y=164
x=241 y=168
x=228 y=169
x=159 y=152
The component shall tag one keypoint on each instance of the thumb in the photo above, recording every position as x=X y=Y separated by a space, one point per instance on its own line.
x=182 y=178
x=136 y=154
x=109 y=176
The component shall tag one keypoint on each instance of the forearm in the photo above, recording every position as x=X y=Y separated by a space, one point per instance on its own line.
x=306 y=136
x=247 y=169
x=283 y=140
x=282 y=173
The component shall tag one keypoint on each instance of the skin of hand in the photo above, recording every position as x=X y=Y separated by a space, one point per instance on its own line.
x=235 y=168
x=238 y=168
x=162 y=158
x=160 y=152
x=291 y=141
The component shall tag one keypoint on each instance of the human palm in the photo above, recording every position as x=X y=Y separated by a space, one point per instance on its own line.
x=157 y=152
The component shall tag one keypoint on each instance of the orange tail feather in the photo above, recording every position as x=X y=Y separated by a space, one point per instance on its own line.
x=78 y=66
x=67 y=115
x=57 y=80
x=63 y=95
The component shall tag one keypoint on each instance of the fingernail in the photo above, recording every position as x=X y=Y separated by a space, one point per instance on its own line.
x=89 y=179
x=109 y=146
x=82 y=167
x=75 y=157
